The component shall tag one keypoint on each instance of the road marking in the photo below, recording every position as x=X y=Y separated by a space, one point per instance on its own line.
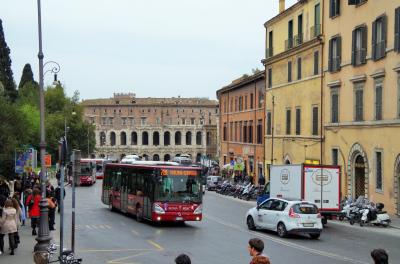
x=135 y=232
x=286 y=243
x=107 y=226
x=118 y=261
x=112 y=250
x=157 y=246
x=88 y=227
x=94 y=226
x=102 y=227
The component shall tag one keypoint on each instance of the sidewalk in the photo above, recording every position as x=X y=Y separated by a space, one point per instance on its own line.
x=395 y=221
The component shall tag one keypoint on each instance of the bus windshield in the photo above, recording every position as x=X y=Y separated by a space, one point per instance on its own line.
x=86 y=168
x=178 y=189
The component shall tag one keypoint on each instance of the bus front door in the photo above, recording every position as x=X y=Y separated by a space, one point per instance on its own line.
x=124 y=192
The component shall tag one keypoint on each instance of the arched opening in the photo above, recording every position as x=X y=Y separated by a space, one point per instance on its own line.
x=102 y=138
x=167 y=139
x=156 y=157
x=167 y=157
x=198 y=138
x=397 y=184
x=359 y=176
x=156 y=138
x=287 y=162
x=189 y=138
x=198 y=157
x=178 y=138
x=145 y=138
x=123 y=138
x=134 y=138
x=112 y=138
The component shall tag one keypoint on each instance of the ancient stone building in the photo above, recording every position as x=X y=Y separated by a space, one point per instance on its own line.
x=154 y=128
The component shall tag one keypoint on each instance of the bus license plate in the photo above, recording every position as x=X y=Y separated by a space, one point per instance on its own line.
x=179 y=218
x=308 y=225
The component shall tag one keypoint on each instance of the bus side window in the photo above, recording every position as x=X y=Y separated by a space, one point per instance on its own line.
x=132 y=183
x=124 y=178
x=117 y=181
x=139 y=182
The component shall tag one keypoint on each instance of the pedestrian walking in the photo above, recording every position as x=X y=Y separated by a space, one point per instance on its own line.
x=380 y=256
x=32 y=203
x=57 y=193
x=182 y=259
x=256 y=247
x=9 y=225
x=4 y=188
x=17 y=208
x=49 y=188
x=52 y=210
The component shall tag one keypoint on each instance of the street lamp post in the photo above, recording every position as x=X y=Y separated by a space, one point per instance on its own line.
x=43 y=239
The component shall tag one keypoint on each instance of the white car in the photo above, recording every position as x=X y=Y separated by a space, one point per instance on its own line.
x=286 y=216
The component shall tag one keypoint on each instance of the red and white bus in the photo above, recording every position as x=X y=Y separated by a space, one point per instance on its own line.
x=88 y=172
x=152 y=190
x=100 y=166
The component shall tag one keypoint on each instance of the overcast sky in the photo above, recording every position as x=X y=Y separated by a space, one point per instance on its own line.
x=154 y=48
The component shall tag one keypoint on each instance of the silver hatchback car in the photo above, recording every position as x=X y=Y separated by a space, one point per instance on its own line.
x=212 y=182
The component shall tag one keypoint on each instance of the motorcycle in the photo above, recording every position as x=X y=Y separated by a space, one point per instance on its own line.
x=373 y=214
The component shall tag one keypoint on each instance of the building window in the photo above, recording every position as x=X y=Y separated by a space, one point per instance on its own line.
x=298 y=68
x=334 y=8
x=270 y=51
x=378 y=171
x=192 y=121
x=398 y=95
x=251 y=101
x=183 y=121
x=245 y=102
x=104 y=121
x=288 y=121
x=397 y=30
x=260 y=98
x=270 y=78
x=224 y=106
x=356 y=2
x=143 y=121
x=335 y=105
x=298 y=40
x=245 y=137
x=241 y=103
x=235 y=131
x=335 y=51
x=298 y=120
x=236 y=104
x=269 y=123
x=240 y=131
x=378 y=99
x=289 y=41
x=231 y=131
x=315 y=120
x=231 y=105
x=358 y=102
x=123 y=121
x=316 y=62
x=250 y=136
x=359 y=46
x=111 y=120
x=335 y=157
x=379 y=28
x=225 y=131
x=289 y=71
x=259 y=131
x=316 y=30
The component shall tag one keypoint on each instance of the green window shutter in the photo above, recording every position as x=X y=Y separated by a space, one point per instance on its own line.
x=353 y=47
x=374 y=40
x=330 y=59
x=397 y=30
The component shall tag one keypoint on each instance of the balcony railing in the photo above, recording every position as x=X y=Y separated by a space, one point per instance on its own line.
x=298 y=40
x=269 y=53
x=288 y=43
x=335 y=64
x=315 y=30
x=360 y=56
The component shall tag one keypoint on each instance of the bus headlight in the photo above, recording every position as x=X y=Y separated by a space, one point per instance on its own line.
x=198 y=210
x=157 y=209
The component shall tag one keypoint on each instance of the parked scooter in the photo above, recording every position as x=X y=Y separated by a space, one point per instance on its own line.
x=373 y=214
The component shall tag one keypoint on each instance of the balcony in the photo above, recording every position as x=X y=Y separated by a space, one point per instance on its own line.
x=269 y=53
x=288 y=43
x=315 y=30
x=360 y=56
x=335 y=64
x=298 y=40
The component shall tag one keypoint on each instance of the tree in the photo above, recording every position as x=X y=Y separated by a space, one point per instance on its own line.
x=27 y=76
x=6 y=74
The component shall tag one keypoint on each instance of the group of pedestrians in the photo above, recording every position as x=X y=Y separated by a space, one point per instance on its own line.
x=19 y=200
x=256 y=247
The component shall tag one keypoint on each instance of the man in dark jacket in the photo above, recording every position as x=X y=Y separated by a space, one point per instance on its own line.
x=4 y=189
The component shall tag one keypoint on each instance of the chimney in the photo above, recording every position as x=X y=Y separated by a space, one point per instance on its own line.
x=281 y=6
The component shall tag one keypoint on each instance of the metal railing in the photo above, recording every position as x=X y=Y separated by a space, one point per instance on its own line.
x=335 y=64
x=315 y=30
x=360 y=56
x=288 y=43
x=298 y=40
x=380 y=49
x=269 y=53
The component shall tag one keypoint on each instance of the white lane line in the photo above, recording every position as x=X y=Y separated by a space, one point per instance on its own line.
x=286 y=243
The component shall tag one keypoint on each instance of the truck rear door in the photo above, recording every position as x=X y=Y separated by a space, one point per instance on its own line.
x=286 y=181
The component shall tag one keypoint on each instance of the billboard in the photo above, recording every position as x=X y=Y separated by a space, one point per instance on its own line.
x=25 y=160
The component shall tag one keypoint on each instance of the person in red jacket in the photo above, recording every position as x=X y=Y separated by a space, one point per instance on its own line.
x=32 y=202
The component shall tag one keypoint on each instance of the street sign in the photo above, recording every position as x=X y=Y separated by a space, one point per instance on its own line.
x=47 y=160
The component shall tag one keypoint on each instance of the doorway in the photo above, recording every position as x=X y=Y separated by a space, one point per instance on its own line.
x=359 y=177
x=397 y=185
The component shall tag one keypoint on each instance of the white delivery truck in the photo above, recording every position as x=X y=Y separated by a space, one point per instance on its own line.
x=319 y=184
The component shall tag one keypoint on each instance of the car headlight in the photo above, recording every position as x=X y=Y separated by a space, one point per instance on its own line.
x=198 y=210
x=157 y=209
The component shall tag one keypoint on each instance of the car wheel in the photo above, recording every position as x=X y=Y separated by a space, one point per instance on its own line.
x=315 y=236
x=250 y=223
x=282 y=232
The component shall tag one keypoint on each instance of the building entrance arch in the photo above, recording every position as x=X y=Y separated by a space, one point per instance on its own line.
x=357 y=169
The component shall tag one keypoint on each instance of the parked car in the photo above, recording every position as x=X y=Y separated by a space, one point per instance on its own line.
x=212 y=182
x=286 y=216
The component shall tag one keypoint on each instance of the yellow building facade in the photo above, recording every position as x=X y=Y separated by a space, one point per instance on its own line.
x=362 y=97
x=293 y=85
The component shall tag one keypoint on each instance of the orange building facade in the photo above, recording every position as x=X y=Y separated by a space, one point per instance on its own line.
x=241 y=123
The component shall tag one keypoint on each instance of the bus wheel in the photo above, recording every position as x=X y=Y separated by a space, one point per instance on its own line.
x=139 y=214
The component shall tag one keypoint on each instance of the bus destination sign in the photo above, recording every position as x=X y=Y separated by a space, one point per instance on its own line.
x=178 y=172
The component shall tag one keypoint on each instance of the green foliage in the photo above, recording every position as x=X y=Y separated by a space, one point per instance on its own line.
x=29 y=94
x=55 y=99
x=6 y=74
x=27 y=76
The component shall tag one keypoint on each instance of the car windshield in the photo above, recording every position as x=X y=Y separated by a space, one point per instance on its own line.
x=305 y=208
x=179 y=189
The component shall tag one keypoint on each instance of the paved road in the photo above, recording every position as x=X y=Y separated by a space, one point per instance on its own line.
x=103 y=236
